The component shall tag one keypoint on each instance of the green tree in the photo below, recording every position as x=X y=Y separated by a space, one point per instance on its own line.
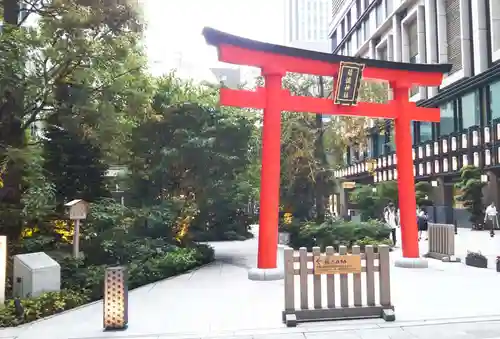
x=470 y=190
x=423 y=190
x=367 y=201
x=371 y=199
x=91 y=48
x=74 y=166
x=193 y=149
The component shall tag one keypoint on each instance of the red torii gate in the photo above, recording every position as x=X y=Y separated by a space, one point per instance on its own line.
x=274 y=61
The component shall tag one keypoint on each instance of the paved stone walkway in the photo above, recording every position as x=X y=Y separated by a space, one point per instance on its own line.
x=219 y=300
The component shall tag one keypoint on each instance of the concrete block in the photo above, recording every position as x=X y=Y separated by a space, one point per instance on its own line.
x=266 y=274
x=34 y=274
x=411 y=263
x=451 y=258
x=388 y=315
x=291 y=320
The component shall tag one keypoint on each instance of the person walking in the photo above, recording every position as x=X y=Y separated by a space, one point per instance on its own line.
x=491 y=217
x=391 y=217
x=423 y=223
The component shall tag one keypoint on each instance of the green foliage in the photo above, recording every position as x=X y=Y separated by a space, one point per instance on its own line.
x=87 y=69
x=371 y=200
x=336 y=233
x=367 y=202
x=471 y=192
x=75 y=167
x=306 y=179
x=47 y=304
x=423 y=190
x=82 y=284
x=188 y=150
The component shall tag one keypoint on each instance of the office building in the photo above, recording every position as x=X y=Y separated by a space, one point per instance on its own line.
x=307 y=20
x=463 y=33
x=229 y=77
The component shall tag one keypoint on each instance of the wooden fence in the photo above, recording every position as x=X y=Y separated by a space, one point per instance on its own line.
x=442 y=242
x=348 y=296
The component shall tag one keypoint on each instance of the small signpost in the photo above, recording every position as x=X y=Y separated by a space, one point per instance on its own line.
x=3 y=268
x=337 y=264
x=77 y=210
x=348 y=82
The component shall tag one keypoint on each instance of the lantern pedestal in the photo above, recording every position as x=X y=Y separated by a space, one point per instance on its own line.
x=411 y=263
x=115 y=305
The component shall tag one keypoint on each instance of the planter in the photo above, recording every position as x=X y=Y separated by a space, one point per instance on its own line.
x=477 y=262
x=283 y=238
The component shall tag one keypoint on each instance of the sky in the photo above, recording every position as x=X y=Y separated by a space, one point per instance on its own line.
x=173 y=34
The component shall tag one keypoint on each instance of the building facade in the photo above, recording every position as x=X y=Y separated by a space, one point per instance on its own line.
x=307 y=20
x=464 y=33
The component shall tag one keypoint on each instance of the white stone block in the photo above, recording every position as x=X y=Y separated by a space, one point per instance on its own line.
x=34 y=274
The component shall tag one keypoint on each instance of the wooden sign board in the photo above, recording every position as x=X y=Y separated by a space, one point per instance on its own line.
x=337 y=264
x=77 y=209
x=348 y=184
x=348 y=82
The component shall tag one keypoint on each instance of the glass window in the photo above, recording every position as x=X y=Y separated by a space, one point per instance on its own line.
x=425 y=131
x=383 y=53
x=413 y=41
x=358 y=8
x=495 y=100
x=334 y=41
x=388 y=7
x=379 y=14
x=447 y=124
x=366 y=28
x=412 y=132
x=358 y=37
x=470 y=110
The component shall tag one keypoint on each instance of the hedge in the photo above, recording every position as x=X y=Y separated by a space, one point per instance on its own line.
x=336 y=232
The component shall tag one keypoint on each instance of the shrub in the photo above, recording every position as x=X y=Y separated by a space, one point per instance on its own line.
x=224 y=226
x=336 y=233
x=141 y=271
x=42 y=306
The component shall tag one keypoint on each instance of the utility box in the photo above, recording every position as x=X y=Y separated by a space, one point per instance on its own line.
x=34 y=274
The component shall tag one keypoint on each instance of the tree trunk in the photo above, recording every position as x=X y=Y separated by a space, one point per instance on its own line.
x=321 y=159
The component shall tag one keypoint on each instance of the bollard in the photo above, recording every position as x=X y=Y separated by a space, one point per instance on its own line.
x=115 y=299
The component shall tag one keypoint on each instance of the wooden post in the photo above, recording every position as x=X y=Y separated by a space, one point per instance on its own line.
x=77 y=211
x=76 y=239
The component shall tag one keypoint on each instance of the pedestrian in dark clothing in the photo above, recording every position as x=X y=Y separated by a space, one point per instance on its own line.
x=423 y=223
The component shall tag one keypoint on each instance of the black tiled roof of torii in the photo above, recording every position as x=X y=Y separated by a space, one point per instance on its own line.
x=216 y=38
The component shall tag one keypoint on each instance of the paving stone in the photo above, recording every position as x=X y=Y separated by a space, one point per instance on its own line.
x=384 y=333
x=219 y=298
x=331 y=335
x=280 y=336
